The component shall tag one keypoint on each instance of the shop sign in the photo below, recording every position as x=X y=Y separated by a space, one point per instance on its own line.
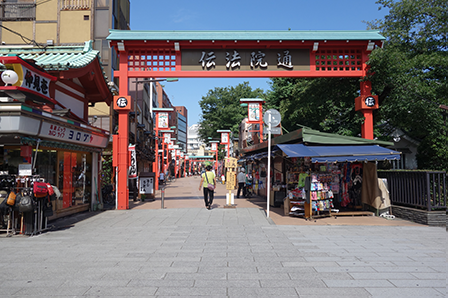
x=132 y=172
x=162 y=120
x=71 y=135
x=25 y=169
x=245 y=59
x=30 y=78
x=214 y=146
x=230 y=180
x=146 y=185
x=231 y=162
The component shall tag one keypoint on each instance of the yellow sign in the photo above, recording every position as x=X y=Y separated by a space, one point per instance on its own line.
x=231 y=162
x=230 y=180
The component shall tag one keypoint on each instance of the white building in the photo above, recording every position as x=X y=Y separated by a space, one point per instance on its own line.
x=194 y=145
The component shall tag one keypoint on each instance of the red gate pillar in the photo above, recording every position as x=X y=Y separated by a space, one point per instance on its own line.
x=367 y=103
x=122 y=104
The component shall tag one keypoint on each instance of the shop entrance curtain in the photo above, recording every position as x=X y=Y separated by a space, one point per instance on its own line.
x=323 y=154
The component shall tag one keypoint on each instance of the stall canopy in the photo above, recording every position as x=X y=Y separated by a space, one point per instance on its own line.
x=324 y=154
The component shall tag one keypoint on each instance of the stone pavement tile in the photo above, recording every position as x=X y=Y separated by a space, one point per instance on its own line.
x=385 y=275
x=143 y=282
x=288 y=283
x=262 y=292
x=380 y=283
x=344 y=269
x=412 y=269
x=258 y=276
x=404 y=292
x=427 y=283
x=334 y=292
x=243 y=283
x=50 y=291
x=196 y=276
x=430 y=275
x=120 y=291
x=321 y=275
x=299 y=270
x=191 y=291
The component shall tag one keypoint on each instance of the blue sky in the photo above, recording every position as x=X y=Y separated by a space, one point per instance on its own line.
x=244 y=15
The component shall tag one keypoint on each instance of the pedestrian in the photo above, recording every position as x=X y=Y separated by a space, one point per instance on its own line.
x=241 y=180
x=161 y=178
x=207 y=178
x=222 y=179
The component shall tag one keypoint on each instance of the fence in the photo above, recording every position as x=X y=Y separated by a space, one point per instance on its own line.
x=423 y=189
x=17 y=11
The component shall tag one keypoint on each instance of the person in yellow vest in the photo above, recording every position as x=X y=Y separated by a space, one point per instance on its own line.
x=208 y=184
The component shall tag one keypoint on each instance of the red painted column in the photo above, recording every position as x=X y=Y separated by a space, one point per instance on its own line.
x=367 y=103
x=156 y=158
x=123 y=135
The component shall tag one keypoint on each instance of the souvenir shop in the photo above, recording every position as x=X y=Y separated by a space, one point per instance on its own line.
x=48 y=150
x=312 y=181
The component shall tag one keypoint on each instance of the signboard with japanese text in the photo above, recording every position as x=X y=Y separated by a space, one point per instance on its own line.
x=132 y=173
x=231 y=162
x=224 y=137
x=213 y=146
x=162 y=122
x=246 y=59
x=253 y=112
x=167 y=137
x=230 y=180
x=69 y=134
x=146 y=185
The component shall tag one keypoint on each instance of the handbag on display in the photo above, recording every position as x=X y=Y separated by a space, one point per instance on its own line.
x=25 y=204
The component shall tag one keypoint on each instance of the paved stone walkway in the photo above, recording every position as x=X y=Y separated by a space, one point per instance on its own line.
x=193 y=252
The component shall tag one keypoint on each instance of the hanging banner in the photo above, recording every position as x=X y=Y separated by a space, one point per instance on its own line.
x=132 y=172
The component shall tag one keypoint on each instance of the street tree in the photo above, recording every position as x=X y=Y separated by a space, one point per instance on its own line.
x=221 y=109
x=410 y=75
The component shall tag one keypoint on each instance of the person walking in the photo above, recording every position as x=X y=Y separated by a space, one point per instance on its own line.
x=241 y=180
x=208 y=178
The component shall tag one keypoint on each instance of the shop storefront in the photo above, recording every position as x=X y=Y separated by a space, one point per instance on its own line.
x=338 y=177
x=62 y=152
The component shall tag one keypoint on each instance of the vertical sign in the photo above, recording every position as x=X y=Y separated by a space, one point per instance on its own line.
x=162 y=120
x=214 y=146
x=132 y=173
x=224 y=137
x=253 y=112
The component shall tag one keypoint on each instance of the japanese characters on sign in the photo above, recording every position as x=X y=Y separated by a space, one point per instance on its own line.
x=231 y=162
x=253 y=112
x=224 y=137
x=246 y=59
x=163 y=120
x=214 y=146
x=167 y=137
x=132 y=173
x=146 y=185
x=65 y=133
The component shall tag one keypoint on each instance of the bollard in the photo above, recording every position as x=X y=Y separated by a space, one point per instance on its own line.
x=162 y=197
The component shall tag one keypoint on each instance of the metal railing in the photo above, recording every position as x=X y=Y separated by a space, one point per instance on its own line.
x=17 y=11
x=76 y=4
x=422 y=189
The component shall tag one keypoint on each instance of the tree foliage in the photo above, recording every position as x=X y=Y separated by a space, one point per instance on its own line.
x=325 y=104
x=221 y=109
x=410 y=75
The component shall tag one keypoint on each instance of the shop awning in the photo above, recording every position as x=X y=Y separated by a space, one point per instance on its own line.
x=324 y=154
